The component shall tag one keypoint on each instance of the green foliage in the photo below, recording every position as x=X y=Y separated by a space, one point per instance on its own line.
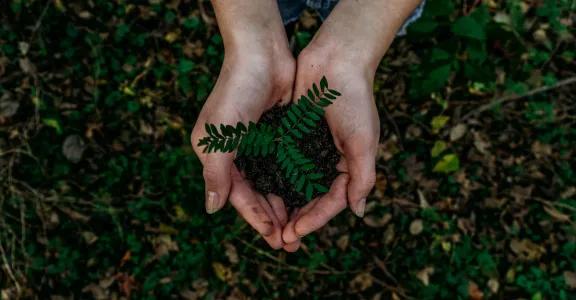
x=128 y=220
x=262 y=139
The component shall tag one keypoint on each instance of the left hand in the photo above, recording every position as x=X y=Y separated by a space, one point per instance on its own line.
x=354 y=124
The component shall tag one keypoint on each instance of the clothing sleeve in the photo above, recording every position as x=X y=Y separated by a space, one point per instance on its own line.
x=416 y=14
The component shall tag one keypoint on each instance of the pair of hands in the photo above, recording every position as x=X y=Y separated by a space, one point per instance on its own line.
x=259 y=71
x=251 y=83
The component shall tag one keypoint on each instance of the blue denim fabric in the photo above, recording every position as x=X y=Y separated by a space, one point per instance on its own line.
x=291 y=10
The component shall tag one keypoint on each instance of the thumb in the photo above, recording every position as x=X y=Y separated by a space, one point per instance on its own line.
x=217 y=168
x=362 y=178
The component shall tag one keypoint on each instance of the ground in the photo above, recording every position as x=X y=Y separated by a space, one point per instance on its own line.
x=101 y=195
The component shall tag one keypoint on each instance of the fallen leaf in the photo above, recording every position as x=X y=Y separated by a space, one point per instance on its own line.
x=493 y=285
x=438 y=122
x=361 y=282
x=438 y=148
x=526 y=249
x=416 y=227
x=231 y=253
x=377 y=222
x=8 y=106
x=73 y=148
x=449 y=163
x=457 y=132
x=556 y=215
x=474 y=291
x=343 y=242
x=570 y=279
x=424 y=275
x=222 y=272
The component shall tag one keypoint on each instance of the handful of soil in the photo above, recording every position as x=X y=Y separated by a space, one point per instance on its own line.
x=266 y=175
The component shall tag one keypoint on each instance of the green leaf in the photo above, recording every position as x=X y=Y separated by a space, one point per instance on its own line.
x=323 y=83
x=438 y=148
x=296 y=109
x=315 y=176
x=300 y=184
x=285 y=123
x=311 y=95
x=467 y=26
x=313 y=115
x=309 y=191
x=303 y=128
x=438 y=122
x=225 y=130
x=308 y=167
x=321 y=188
x=296 y=133
x=215 y=131
x=324 y=102
x=334 y=92
x=449 y=163
x=240 y=127
x=309 y=122
x=316 y=91
x=292 y=117
x=330 y=96
x=185 y=66
x=207 y=127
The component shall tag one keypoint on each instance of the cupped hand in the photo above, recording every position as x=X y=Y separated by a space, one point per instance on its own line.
x=248 y=85
x=354 y=124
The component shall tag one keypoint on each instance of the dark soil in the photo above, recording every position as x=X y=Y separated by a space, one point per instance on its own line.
x=267 y=177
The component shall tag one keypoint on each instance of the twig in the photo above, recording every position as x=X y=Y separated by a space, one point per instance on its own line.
x=514 y=97
x=9 y=270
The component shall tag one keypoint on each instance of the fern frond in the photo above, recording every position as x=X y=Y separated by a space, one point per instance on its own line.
x=258 y=140
x=224 y=140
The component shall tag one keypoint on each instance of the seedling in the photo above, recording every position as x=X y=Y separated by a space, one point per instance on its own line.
x=257 y=140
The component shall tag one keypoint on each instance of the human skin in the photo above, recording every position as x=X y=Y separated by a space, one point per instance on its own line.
x=259 y=71
x=347 y=49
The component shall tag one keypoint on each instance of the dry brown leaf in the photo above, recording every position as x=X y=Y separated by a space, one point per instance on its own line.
x=222 y=272
x=474 y=291
x=424 y=275
x=377 y=222
x=343 y=242
x=231 y=253
x=457 y=132
x=73 y=148
x=570 y=278
x=493 y=285
x=526 y=249
x=361 y=282
x=416 y=227
x=556 y=215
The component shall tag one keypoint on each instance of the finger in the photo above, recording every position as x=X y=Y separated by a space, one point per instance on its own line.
x=342 y=165
x=275 y=238
x=293 y=247
x=216 y=174
x=326 y=208
x=279 y=208
x=289 y=235
x=246 y=202
x=362 y=170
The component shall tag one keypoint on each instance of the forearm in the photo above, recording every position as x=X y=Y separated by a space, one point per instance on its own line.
x=362 y=31
x=250 y=26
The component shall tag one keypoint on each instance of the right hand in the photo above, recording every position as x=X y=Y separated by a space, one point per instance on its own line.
x=248 y=85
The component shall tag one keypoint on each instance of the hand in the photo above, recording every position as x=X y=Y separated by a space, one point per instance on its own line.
x=347 y=49
x=354 y=124
x=248 y=85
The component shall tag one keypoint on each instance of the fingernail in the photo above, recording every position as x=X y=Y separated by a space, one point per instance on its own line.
x=212 y=203
x=360 y=207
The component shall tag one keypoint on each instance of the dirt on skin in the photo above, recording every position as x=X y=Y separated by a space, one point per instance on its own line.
x=267 y=176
